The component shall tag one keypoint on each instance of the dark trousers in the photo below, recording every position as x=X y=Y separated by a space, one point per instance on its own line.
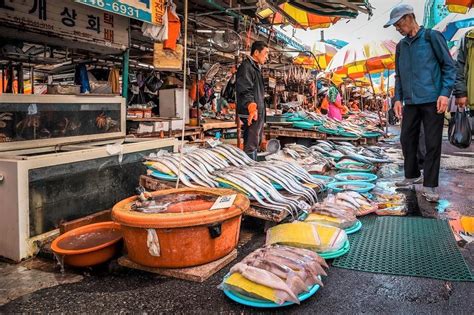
x=421 y=147
x=253 y=135
x=433 y=122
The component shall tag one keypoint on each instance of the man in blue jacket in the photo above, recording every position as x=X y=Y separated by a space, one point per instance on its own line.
x=425 y=75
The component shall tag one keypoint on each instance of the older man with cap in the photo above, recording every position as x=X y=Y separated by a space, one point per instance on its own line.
x=425 y=75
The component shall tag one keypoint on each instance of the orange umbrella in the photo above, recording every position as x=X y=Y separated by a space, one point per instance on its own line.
x=287 y=14
x=459 y=6
x=322 y=54
x=358 y=59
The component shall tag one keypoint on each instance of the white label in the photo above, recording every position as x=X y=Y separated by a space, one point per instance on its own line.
x=213 y=143
x=224 y=202
x=32 y=109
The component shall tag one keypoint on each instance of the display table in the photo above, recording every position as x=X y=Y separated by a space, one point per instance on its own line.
x=218 y=124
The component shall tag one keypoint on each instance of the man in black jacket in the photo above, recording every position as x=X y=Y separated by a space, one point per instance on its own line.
x=250 y=94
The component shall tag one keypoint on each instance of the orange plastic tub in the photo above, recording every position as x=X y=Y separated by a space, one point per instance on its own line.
x=189 y=234
x=89 y=245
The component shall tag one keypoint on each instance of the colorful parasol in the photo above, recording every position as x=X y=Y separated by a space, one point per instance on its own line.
x=287 y=14
x=322 y=55
x=357 y=59
x=459 y=6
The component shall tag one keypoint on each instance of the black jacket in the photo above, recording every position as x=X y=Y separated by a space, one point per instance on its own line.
x=250 y=88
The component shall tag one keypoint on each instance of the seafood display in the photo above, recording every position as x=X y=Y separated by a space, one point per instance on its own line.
x=363 y=124
x=389 y=203
x=227 y=166
x=344 y=205
x=276 y=273
x=327 y=154
x=4 y=118
x=309 y=235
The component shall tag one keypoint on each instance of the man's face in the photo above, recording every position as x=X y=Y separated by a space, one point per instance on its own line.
x=402 y=25
x=261 y=56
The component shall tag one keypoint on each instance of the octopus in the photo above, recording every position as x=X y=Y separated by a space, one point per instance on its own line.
x=31 y=121
x=101 y=121
x=105 y=122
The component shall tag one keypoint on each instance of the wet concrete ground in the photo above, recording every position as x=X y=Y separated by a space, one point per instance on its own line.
x=113 y=289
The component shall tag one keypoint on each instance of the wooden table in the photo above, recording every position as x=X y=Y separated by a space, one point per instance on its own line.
x=218 y=124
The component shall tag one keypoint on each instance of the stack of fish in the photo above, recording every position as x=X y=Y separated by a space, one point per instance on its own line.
x=276 y=273
x=370 y=120
x=347 y=151
x=225 y=165
x=198 y=165
x=345 y=205
x=310 y=160
x=357 y=125
x=258 y=182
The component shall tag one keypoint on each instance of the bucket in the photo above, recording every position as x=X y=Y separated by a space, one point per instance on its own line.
x=189 y=235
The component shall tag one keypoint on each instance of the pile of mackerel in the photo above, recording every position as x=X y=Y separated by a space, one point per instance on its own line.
x=228 y=166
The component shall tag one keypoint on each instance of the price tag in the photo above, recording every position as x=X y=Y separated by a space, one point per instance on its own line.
x=224 y=202
x=213 y=143
x=32 y=109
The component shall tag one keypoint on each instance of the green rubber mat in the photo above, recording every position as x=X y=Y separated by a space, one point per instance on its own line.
x=408 y=246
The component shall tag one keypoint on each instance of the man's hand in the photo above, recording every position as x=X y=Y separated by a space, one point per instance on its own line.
x=397 y=108
x=253 y=114
x=442 y=104
x=461 y=101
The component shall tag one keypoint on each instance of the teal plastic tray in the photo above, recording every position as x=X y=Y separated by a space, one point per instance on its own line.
x=254 y=302
x=371 y=134
x=366 y=177
x=328 y=131
x=342 y=166
x=163 y=176
x=356 y=227
x=363 y=186
x=338 y=253
x=303 y=125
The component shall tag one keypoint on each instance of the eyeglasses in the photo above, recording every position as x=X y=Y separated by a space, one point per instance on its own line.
x=399 y=22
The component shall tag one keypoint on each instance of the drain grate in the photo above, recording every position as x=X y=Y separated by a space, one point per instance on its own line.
x=407 y=246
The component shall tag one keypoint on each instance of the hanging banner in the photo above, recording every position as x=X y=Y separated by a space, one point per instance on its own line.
x=150 y=11
x=66 y=19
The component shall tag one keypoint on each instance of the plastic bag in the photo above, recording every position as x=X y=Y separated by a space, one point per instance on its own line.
x=459 y=130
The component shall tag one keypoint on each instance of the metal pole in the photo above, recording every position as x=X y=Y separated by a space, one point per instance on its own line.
x=388 y=103
x=32 y=80
x=125 y=65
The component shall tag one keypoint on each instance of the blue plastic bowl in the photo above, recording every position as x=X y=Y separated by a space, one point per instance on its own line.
x=343 y=166
x=366 y=177
x=363 y=187
x=254 y=302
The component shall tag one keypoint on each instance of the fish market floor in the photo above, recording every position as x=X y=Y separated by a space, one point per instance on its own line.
x=36 y=286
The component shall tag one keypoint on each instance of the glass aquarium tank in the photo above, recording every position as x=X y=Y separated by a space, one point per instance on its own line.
x=54 y=119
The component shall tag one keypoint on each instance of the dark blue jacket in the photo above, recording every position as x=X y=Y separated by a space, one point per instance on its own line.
x=250 y=87
x=424 y=68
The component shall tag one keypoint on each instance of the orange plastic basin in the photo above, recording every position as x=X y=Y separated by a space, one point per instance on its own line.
x=89 y=245
x=188 y=235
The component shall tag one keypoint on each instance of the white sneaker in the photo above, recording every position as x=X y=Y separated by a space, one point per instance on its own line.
x=409 y=181
x=430 y=194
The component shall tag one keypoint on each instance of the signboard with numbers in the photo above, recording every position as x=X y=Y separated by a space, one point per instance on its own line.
x=150 y=11
x=65 y=19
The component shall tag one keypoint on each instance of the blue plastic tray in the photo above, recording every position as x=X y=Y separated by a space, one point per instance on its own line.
x=364 y=186
x=163 y=176
x=367 y=177
x=356 y=227
x=254 y=302
x=342 y=166
x=338 y=253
